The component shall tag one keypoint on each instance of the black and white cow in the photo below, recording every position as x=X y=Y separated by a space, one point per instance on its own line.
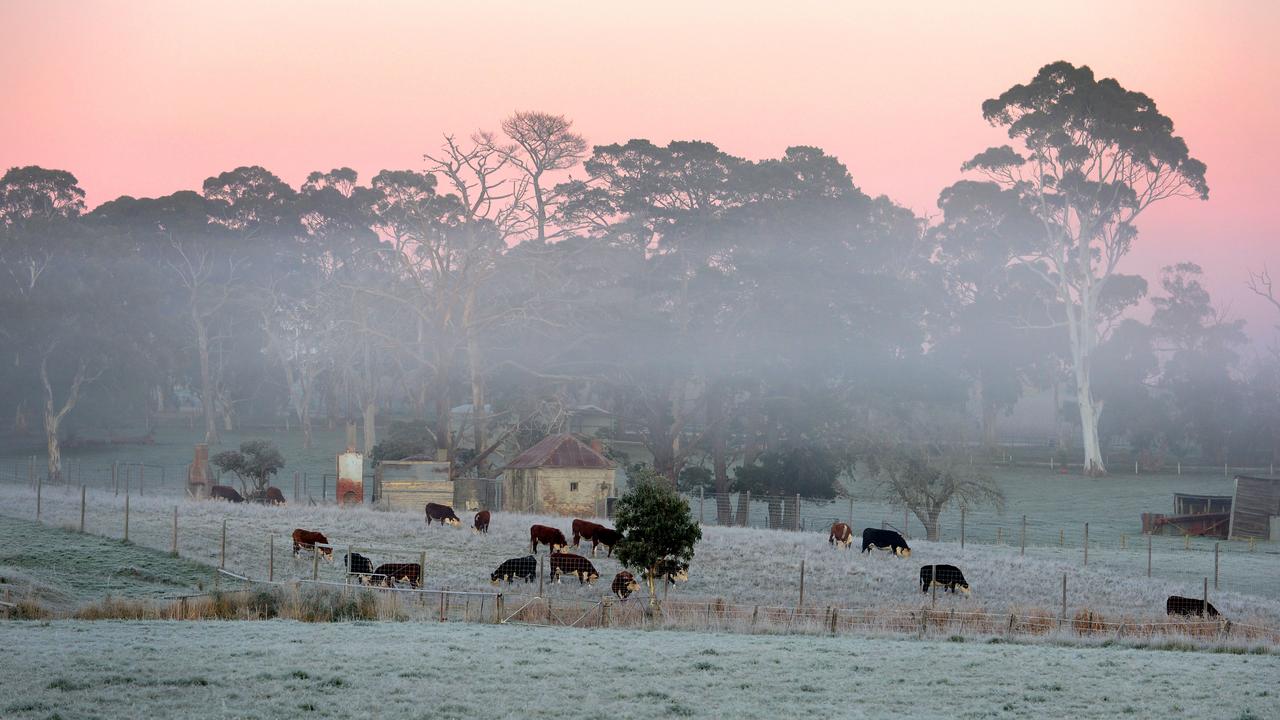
x=1178 y=605
x=885 y=540
x=525 y=568
x=948 y=576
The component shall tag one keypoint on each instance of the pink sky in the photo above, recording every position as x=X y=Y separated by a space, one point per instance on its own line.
x=145 y=98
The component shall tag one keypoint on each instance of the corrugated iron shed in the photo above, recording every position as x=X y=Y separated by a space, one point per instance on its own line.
x=561 y=451
x=1257 y=500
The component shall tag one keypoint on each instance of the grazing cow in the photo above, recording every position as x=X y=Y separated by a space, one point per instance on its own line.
x=307 y=540
x=598 y=535
x=410 y=573
x=842 y=534
x=443 y=514
x=525 y=568
x=885 y=540
x=1178 y=605
x=481 y=522
x=948 y=576
x=562 y=563
x=546 y=535
x=274 y=496
x=358 y=564
x=225 y=492
x=624 y=583
x=673 y=571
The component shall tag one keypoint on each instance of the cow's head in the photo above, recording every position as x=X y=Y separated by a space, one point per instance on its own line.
x=591 y=576
x=326 y=553
x=453 y=522
x=964 y=587
x=903 y=552
x=558 y=547
x=495 y=578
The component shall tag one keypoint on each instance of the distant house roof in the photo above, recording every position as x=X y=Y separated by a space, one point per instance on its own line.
x=564 y=451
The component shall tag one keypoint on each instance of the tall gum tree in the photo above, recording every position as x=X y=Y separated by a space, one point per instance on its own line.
x=1093 y=156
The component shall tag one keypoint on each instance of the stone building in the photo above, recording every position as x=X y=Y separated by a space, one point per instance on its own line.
x=561 y=475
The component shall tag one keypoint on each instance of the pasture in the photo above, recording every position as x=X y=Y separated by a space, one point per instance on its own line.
x=740 y=565
x=270 y=669
x=62 y=570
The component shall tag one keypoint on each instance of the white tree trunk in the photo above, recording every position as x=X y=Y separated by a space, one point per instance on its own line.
x=370 y=412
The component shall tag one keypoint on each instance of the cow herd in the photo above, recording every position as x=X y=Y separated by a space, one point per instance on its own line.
x=624 y=584
x=560 y=562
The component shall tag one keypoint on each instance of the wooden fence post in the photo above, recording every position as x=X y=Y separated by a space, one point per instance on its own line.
x=1062 y=537
x=142 y=476
x=1086 y=544
x=271 y=557
x=81 y=508
x=801 y=584
x=851 y=512
x=174 y=550
x=1215 y=566
x=1064 y=597
x=497 y=609
x=702 y=492
x=39 y=486
x=1205 y=598
x=1148 y=555
x=962 y=513
x=796 y=522
x=542 y=571
x=126 y=517
x=222 y=551
x=999 y=535
x=746 y=516
x=315 y=565
x=1022 y=541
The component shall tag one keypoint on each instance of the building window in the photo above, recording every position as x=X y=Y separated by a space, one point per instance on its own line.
x=573 y=487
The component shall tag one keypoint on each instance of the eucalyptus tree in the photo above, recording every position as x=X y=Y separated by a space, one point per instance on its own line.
x=1092 y=157
x=542 y=143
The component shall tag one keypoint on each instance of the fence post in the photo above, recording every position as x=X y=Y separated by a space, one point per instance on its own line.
x=999 y=535
x=126 y=517
x=1124 y=541
x=1086 y=544
x=497 y=609
x=701 y=496
x=1148 y=555
x=1135 y=467
x=542 y=571
x=115 y=477
x=315 y=566
x=934 y=587
x=422 y=565
x=833 y=620
x=296 y=495
x=1204 y=603
x=746 y=517
x=1064 y=597
x=1179 y=467
x=801 y=584
x=604 y=612
x=1215 y=566
x=905 y=520
x=962 y=512
x=81 y=508
x=443 y=594
x=222 y=548
x=39 y=486
x=1186 y=541
x=796 y=522
x=851 y=512
x=271 y=557
x=1022 y=541
x=142 y=475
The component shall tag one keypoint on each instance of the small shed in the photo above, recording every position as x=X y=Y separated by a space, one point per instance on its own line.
x=561 y=475
x=1255 y=508
x=411 y=483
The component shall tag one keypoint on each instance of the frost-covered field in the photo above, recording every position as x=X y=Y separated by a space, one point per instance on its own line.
x=740 y=565
x=62 y=570
x=274 y=669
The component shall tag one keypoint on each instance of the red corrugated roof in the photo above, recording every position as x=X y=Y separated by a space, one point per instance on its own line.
x=560 y=451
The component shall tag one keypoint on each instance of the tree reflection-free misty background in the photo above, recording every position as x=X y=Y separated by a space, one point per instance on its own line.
x=767 y=255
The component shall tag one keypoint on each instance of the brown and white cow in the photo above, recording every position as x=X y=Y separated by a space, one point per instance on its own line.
x=598 y=535
x=391 y=573
x=624 y=583
x=307 y=540
x=225 y=492
x=546 y=535
x=442 y=514
x=562 y=563
x=480 y=523
x=841 y=534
